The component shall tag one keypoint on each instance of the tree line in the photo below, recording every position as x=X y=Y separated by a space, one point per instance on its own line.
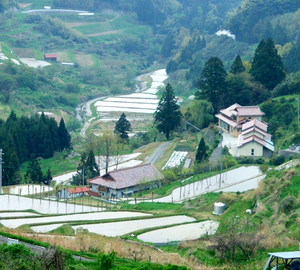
x=245 y=87
x=26 y=138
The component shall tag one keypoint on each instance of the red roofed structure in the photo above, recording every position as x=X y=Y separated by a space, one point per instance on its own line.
x=73 y=192
x=50 y=57
x=125 y=182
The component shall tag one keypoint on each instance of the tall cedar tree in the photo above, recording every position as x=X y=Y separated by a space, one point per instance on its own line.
x=122 y=126
x=167 y=116
x=64 y=136
x=267 y=67
x=237 y=65
x=212 y=84
x=88 y=166
x=91 y=166
x=201 y=154
x=34 y=172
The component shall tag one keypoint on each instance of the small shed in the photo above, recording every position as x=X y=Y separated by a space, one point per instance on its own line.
x=73 y=192
x=50 y=57
x=281 y=258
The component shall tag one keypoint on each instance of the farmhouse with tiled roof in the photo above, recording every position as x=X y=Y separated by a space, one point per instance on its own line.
x=125 y=182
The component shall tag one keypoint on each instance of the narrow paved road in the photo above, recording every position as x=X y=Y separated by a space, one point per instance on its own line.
x=158 y=153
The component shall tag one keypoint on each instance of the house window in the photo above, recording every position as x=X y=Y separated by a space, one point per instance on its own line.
x=252 y=152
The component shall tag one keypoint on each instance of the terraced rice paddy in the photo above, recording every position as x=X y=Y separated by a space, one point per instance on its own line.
x=16 y=214
x=14 y=223
x=124 y=227
x=240 y=179
x=19 y=203
x=180 y=233
x=142 y=103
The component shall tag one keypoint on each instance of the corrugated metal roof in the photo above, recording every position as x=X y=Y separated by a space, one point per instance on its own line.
x=78 y=190
x=50 y=55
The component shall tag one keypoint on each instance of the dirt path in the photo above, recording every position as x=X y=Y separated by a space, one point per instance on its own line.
x=103 y=33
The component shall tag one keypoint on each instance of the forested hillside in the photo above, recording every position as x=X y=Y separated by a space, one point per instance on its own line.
x=257 y=60
x=27 y=138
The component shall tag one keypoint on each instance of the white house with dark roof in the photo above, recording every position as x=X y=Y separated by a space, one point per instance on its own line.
x=125 y=182
x=232 y=118
x=254 y=140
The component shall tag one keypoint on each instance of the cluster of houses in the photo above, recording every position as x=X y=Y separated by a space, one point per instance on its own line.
x=245 y=123
x=242 y=122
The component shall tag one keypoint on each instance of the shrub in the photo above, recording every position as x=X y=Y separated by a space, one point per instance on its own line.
x=170 y=175
x=287 y=204
x=278 y=160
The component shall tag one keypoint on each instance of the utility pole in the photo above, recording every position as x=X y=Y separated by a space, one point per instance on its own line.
x=1 y=161
x=298 y=109
x=221 y=158
x=83 y=176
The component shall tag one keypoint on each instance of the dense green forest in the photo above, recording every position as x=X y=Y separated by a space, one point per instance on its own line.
x=27 y=138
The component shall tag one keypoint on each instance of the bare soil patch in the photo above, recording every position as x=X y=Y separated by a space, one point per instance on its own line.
x=63 y=56
x=23 y=5
x=24 y=52
x=84 y=60
x=103 y=33
x=75 y=24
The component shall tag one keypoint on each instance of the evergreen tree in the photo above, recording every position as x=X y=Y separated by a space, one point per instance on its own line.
x=237 y=65
x=145 y=11
x=34 y=171
x=279 y=34
x=201 y=154
x=48 y=177
x=91 y=166
x=167 y=116
x=53 y=130
x=292 y=59
x=122 y=127
x=81 y=169
x=43 y=142
x=10 y=160
x=267 y=67
x=168 y=46
x=212 y=84
x=64 y=136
